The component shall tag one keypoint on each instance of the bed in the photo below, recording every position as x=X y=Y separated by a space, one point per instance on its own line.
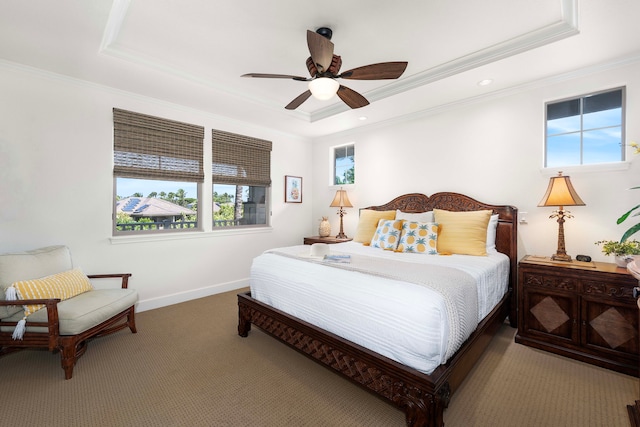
x=422 y=392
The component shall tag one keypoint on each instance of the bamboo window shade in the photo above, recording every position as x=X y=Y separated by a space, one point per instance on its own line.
x=240 y=160
x=154 y=148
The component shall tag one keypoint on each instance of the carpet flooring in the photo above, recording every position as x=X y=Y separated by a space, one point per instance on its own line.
x=187 y=366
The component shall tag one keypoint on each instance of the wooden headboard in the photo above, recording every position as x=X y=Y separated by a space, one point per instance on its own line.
x=506 y=234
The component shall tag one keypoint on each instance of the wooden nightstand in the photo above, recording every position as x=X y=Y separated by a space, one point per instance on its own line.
x=585 y=311
x=330 y=240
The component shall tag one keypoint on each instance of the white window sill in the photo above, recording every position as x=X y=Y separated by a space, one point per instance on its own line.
x=158 y=237
x=595 y=168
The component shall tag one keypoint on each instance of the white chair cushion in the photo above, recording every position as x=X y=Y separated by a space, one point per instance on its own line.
x=29 y=265
x=83 y=311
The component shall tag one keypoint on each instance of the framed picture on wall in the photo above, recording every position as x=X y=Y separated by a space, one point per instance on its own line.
x=292 y=189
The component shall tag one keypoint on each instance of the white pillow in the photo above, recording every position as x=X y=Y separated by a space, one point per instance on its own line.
x=491 y=234
x=415 y=217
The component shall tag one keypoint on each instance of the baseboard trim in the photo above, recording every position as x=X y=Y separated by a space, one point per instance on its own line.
x=176 y=298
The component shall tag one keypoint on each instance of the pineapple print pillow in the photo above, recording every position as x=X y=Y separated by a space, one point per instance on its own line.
x=419 y=237
x=387 y=234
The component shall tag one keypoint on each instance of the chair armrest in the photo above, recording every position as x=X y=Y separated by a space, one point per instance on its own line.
x=52 y=323
x=123 y=276
x=45 y=301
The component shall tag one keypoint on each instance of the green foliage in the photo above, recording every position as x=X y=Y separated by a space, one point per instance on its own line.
x=347 y=178
x=124 y=218
x=634 y=228
x=222 y=199
x=226 y=212
x=611 y=247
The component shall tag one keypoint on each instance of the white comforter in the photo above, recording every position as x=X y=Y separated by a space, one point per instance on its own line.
x=404 y=321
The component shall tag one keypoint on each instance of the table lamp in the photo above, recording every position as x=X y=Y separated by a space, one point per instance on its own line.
x=341 y=200
x=561 y=193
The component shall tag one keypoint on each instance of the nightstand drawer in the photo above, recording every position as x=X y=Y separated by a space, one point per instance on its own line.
x=585 y=311
x=550 y=281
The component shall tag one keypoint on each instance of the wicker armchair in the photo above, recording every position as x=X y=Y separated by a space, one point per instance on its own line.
x=62 y=325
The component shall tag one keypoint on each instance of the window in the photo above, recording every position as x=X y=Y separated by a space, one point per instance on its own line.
x=585 y=130
x=241 y=171
x=344 y=171
x=158 y=173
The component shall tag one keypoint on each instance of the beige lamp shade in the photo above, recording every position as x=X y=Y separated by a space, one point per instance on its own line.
x=561 y=193
x=341 y=200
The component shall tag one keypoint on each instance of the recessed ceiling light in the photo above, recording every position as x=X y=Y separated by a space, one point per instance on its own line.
x=362 y=118
x=485 y=82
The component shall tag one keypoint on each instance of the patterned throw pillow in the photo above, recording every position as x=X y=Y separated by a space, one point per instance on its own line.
x=62 y=285
x=387 y=234
x=419 y=237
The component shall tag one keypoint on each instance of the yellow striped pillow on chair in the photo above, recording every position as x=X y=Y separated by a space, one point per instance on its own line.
x=61 y=285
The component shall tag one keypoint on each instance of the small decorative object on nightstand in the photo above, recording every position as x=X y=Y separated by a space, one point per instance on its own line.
x=324 y=230
x=582 y=310
x=329 y=240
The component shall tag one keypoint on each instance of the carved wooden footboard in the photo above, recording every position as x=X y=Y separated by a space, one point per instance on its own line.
x=422 y=397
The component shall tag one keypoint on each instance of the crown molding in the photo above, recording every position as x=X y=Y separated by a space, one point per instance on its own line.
x=438 y=109
x=567 y=26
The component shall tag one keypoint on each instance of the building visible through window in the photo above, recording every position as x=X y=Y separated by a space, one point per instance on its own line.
x=241 y=175
x=158 y=173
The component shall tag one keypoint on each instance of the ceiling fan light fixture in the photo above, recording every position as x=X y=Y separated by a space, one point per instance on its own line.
x=323 y=88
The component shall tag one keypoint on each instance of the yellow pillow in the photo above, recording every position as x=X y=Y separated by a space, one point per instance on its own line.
x=368 y=223
x=61 y=285
x=463 y=233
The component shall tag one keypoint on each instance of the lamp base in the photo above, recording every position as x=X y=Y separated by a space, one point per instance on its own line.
x=561 y=257
x=341 y=236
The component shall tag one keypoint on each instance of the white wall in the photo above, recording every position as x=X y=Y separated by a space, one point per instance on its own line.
x=492 y=150
x=56 y=183
x=56 y=187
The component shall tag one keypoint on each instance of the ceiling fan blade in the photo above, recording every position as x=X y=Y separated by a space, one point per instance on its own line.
x=275 y=76
x=352 y=98
x=321 y=49
x=383 y=70
x=299 y=100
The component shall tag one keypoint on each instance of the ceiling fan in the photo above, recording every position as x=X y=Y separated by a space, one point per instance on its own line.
x=324 y=66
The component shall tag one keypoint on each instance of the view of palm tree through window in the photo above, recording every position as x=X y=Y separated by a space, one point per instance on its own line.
x=344 y=166
x=143 y=204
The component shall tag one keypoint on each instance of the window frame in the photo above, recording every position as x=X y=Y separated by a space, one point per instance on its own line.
x=334 y=159
x=249 y=158
x=139 y=136
x=581 y=131
x=267 y=203
x=119 y=233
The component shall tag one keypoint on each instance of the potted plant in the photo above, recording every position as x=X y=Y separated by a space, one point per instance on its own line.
x=623 y=251
x=636 y=227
